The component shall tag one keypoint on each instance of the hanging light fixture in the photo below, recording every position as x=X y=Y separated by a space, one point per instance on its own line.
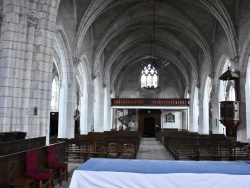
x=149 y=74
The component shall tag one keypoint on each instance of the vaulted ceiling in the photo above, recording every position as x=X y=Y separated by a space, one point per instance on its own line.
x=184 y=32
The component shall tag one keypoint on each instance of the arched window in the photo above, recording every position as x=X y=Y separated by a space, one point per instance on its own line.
x=231 y=93
x=55 y=94
x=149 y=77
x=225 y=83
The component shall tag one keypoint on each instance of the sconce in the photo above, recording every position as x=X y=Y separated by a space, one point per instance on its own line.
x=35 y=112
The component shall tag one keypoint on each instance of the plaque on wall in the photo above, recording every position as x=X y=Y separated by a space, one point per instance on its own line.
x=170 y=118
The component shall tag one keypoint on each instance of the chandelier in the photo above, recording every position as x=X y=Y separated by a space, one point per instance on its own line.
x=149 y=74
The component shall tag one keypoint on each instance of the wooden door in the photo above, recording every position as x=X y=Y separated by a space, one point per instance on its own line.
x=149 y=127
x=54 y=123
x=147 y=121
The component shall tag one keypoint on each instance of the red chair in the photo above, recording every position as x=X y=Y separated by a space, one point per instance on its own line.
x=32 y=172
x=61 y=168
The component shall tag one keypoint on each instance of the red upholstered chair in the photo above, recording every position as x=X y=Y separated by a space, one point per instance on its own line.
x=32 y=172
x=61 y=168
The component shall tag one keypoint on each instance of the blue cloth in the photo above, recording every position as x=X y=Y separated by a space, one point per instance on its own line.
x=162 y=167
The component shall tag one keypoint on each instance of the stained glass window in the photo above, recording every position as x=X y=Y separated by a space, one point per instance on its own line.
x=149 y=77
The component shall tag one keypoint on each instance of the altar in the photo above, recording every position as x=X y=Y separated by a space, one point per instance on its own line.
x=127 y=173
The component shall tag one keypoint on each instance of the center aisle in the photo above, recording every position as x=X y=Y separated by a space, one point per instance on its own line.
x=153 y=150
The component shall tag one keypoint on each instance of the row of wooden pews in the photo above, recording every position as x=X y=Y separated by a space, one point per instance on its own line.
x=107 y=144
x=185 y=145
x=13 y=160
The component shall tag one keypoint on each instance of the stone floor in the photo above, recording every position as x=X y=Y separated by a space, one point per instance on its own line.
x=149 y=149
x=152 y=149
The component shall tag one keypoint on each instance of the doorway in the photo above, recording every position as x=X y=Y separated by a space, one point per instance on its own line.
x=147 y=119
x=54 y=123
x=149 y=127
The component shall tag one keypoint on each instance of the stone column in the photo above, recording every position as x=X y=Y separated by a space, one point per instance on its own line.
x=184 y=120
x=31 y=118
x=13 y=38
x=42 y=65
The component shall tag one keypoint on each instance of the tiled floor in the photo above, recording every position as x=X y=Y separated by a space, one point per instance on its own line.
x=149 y=149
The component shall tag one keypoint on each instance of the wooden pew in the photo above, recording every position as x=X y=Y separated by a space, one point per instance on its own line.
x=21 y=145
x=13 y=166
x=192 y=146
x=240 y=151
x=79 y=149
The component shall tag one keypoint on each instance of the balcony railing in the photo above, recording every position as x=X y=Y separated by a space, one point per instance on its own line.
x=149 y=102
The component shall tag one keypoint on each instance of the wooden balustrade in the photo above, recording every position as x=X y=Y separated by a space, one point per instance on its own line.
x=149 y=102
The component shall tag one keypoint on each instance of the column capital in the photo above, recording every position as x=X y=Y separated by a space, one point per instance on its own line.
x=235 y=59
x=211 y=75
x=76 y=61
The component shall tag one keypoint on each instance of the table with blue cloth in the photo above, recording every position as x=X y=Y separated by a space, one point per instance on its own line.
x=128 y=173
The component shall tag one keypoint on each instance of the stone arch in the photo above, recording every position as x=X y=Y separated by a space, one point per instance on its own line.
x=85 y=95
x=55 y=74
x=200 y=39
x=55 y=94
x=67 y=94
x=118 y=82
x=230 y=91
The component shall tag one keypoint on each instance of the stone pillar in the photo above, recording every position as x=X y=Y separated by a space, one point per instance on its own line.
x=184 y=119
x=217 y=126
x=13 y=38
x=112 y=114
x=42 y=65
x=31 y=24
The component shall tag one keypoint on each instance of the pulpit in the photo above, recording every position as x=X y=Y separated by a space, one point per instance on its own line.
x=229 y=110
x=229 y=114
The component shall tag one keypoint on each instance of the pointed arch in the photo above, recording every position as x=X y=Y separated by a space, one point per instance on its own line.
x=66 y=106
x=85 y=95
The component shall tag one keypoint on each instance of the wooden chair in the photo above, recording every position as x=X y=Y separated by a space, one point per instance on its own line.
x=58 y=167
x=128 y=151
x=90 y=150
x=113 y=150
x=32 y=172
x=101 y=150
